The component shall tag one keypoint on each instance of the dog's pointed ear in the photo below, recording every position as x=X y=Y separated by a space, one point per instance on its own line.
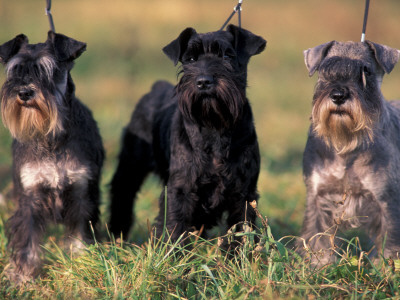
x=246 y=43
x=65 y=48
x=10 y=48
x=385 y=56
x=314 y=56
x=177 y=47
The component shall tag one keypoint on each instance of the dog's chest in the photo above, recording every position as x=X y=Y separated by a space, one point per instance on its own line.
x=349 y=194
x=54 y=174
x=211 y=169
x=212 y=156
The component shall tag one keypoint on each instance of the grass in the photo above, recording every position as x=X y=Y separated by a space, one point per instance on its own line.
x=123 y=58
x=155 y=270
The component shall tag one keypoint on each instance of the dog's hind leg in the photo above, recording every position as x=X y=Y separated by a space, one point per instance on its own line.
x=135 y=162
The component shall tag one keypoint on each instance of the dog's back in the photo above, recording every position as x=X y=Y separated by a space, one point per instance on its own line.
x=142 y=120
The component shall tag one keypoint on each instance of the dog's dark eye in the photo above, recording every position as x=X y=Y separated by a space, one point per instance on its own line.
x=189 y=59
x=227 y=57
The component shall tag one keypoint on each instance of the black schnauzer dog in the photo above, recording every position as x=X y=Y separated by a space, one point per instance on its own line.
x=198 y=136
x=352 y=156
x=57 y=149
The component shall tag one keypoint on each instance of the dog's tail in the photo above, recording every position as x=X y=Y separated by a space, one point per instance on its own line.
x=135 y=162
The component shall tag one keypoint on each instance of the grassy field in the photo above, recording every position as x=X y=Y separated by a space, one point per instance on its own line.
x=123 y=59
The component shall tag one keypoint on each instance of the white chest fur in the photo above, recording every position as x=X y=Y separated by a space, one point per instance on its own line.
x=54 y=176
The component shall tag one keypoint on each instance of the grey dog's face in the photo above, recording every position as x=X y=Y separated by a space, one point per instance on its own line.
x=347 y=101
x=32 y=97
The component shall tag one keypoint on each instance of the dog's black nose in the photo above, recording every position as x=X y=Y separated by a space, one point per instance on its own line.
x=26 y=94
x=339 y=96
x=204 y=82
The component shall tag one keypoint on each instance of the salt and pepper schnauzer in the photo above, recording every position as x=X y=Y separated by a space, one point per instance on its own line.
x=198 y=136
x=57 y=150
x=352 y=157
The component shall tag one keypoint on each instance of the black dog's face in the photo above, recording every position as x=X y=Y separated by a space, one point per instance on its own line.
x=212 y=89
x=347 y=100
x=32 y=96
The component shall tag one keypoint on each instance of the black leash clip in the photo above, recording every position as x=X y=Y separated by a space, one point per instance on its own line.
x=48 y=13
x=365 y=20
x=238 y=9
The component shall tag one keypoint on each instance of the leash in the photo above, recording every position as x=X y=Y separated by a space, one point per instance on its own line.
x=238 y=9
x=365 y=20
x=48 y=13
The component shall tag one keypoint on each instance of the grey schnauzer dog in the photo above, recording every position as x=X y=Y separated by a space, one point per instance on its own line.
x=199 y=136
x=57 y=149
x=351 y=162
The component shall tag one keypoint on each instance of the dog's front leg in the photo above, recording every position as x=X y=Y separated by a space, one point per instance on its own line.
x=81 y=213
x=319 y=232
x=384 y=229
x=25 y=230
x=178 y=213
x=242 y=187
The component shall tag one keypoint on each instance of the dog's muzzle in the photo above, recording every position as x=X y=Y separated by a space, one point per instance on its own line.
x=26 y=94
x=339 y=95
x=205 y=82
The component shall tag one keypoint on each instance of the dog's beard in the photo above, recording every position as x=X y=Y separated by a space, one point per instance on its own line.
x=39 y=117
x=218 y=109
x=345 y=127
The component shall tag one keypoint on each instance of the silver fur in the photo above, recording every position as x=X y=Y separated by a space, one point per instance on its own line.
x=352 y=176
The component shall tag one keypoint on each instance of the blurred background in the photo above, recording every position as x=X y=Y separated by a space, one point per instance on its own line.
x=123 y=58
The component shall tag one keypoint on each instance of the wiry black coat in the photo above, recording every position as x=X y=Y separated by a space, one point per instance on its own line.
x=201 y=141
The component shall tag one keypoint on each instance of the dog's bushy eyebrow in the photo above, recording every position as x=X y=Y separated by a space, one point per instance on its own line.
x=18 y=68
x=341 y=68
x=215 y=47
x=48 y=65
x=218 y=48
x=21 y=67
x=195 y=45
x=13 y=65
x=199 y=46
